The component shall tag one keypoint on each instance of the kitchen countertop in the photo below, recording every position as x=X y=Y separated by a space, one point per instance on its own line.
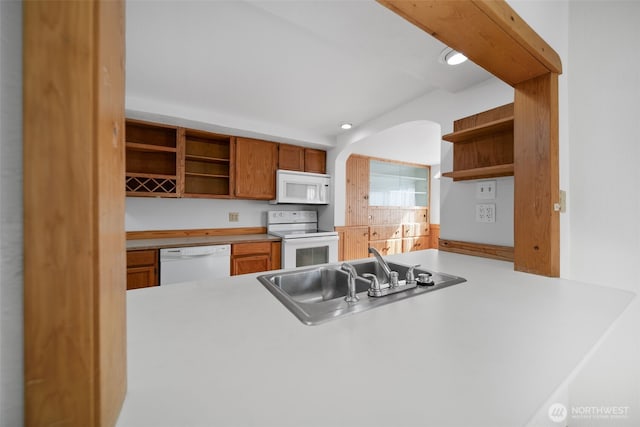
x=174 y=242
x=488 y=352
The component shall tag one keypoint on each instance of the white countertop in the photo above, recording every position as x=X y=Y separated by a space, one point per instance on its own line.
x=488 y=352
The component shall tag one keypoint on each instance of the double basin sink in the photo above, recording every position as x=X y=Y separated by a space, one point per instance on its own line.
x=317 y=294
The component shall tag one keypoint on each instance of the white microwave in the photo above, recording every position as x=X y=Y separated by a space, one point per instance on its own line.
x=302 y=187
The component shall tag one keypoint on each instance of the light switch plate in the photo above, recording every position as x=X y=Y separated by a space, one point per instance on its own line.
x=486 y=190
x=486 y=213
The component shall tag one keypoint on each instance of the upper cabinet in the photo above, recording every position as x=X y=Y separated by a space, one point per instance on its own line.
x=398 y=184
x=291 y=157
x=256 y=162
x=295 y=158
x=483 y=145
x=315 y=160
x=208 y=170
x=171 y=161
x=151 y=159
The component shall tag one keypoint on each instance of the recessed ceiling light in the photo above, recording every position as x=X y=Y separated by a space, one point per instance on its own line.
x=346 y=126
x=451 y=57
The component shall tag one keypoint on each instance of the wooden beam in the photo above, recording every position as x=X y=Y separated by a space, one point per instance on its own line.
x=536 y=224
x=74 y=279
x=488 y=32
x=503 y=253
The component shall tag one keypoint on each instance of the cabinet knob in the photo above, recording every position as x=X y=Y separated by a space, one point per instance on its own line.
x=366 y=197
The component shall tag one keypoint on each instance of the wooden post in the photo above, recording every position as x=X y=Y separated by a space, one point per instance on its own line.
x=537 y=188
x=74 y=282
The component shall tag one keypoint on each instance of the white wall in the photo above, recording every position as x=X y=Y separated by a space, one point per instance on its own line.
x=145 y=213
x=599 y=153
x=442 y=108
x=604 y=88
x=11 y=366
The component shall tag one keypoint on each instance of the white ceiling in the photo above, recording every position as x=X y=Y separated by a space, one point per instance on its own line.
x=304 y=65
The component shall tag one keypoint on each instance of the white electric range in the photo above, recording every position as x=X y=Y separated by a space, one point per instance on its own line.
x=303 y=244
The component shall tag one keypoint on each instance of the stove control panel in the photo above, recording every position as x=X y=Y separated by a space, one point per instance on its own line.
x=291 y=217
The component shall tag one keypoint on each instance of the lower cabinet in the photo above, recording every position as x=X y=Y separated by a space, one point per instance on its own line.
x=254 y=257
x=387 y=247
x=142 y=269
x=353 y=243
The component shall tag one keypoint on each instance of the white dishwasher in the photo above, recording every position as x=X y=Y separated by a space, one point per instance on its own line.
x=194 y=263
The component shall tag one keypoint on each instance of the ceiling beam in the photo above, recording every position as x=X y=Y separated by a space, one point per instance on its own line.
x=489 y=33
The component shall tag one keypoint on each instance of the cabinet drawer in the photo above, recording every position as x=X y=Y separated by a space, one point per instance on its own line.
x=383 y=232
x=142 y=258
x=415 y=229
x=415 y=244
x=387 y=247
x=251 y=248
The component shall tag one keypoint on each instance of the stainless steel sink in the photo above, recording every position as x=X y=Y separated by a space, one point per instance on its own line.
x=316 y=295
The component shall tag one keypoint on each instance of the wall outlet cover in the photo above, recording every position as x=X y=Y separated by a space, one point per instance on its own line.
x=486 y=190
x=234 y=216
x=486 y=213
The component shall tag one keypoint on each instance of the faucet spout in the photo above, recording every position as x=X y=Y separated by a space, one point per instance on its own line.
x=382 y=262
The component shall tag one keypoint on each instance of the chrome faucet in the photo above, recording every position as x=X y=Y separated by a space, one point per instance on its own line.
x=382 y=262
x=351 y=291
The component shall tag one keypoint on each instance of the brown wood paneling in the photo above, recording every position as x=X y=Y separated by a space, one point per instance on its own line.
x=250 y=264
x=536 y=224
x=357 y=191
x=504 y=253
x=143 y=257
x=315 y=160
x=256 y=162
x=419 y=243
x=415 y=229
x=142 y=277
x=508 y=48
x=434 y=236
x=166 y=234
x=74 y=260
x=291 y=157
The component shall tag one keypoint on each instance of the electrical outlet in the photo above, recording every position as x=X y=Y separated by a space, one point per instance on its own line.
x=234 y=216
x=486 y=213
x=486 y=190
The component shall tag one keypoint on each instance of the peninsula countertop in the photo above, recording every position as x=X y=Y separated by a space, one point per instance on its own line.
x=488 y=352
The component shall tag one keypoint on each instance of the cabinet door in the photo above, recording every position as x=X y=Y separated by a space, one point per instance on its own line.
x=141 y=277
x=250 y=264
x=355 y=242
x=142 y=269
x=388 y=246
x=291 y=157
x=315 y=160
x=357 y=191
x=415 y=243
x=255 y=167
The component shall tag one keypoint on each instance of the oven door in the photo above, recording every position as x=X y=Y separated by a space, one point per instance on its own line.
x=304 y=251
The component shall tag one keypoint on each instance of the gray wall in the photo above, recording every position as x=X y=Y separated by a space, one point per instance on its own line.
x=11 y=365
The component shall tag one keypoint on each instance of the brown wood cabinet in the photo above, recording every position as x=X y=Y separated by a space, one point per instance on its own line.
x=387 y=247
x=251 y=257
x=256 y=162
x=295 y=158
x=291 y=157
x=151 y=166
x=142 y=269
x=207 y=165
x=315 y=160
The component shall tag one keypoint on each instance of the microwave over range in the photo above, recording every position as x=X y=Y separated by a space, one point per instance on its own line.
x=302 y=188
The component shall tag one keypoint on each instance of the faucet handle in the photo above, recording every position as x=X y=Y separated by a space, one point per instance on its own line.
x=375 y=283
x=411 y=278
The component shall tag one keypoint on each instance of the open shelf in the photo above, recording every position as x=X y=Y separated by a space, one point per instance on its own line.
x=481 y=173
x=205 y=175
x=206 y=159
x=490 y=128
x=207 y=164
x=136 y=146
